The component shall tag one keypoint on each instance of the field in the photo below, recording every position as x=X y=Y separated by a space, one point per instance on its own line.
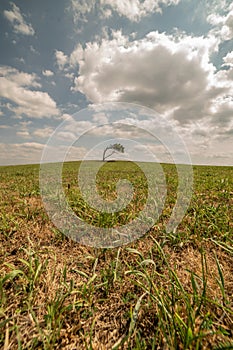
x=162 y=291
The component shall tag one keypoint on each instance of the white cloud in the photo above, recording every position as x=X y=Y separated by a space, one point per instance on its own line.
x=25 y=124
x=61 y=59
x=23 y=131
x=16 y=19
x=33 y=50
x=16 y=86
x=66 y=116
x=223 y=24
x=66 y=136
x=31 y=152
x=228 y=59
x=23 y=134
x=172 y=74
x=222 y=108
x=134 y=10
x=100 y=118
x=76 y=55
x=47 y=73
x=18 y=77
x=69 y=76
x=77 y=127
x=217 y=152
x=74 y=153
x=32 y=145
x=43 y=132
x=20 y=153
x=80 y=8
x=21 y=60
x=216 y=6
x=159 y=71
x=4 y=126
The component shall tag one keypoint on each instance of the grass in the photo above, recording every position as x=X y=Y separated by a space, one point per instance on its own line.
x=163 y=291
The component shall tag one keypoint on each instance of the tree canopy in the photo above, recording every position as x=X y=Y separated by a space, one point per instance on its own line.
x=116 y=147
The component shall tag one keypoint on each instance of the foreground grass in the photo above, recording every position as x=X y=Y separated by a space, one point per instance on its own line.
x=164 y=291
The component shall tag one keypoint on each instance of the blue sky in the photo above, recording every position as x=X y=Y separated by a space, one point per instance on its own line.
x=173 y=56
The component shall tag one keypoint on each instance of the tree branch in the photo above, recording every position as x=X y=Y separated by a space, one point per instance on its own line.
x=109 y=155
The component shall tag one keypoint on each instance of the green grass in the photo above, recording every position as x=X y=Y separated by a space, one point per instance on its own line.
x=165 y=290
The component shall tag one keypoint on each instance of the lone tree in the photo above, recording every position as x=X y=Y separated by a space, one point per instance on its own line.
x=117 y=147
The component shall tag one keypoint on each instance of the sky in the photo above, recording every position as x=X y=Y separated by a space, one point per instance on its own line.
x=68 y=66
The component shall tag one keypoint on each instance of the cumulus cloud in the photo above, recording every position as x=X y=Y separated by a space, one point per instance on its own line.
x=228 y=59
x=61 y=59
x=19 y=88
x=173 y=75
x=47 y=73
x=43 y=132
x=77 y=127
x=32 y=145
x=222 y=109
x=223 y=24
x=134 y=10
x=19 y=77
x=100 y=118
x=66 y=136
x=69 y=76
x=24 y=134
x=81 y=8
x=76 y=55
x=15 y=17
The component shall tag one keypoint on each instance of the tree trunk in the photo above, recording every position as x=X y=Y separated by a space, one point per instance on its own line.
x=104 y=153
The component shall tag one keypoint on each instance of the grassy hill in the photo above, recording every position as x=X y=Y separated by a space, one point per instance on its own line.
x=162 y=291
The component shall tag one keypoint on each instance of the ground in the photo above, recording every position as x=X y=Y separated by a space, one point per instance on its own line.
x=162 y=291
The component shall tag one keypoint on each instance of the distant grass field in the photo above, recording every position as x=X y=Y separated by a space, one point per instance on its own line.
x=163 y=291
